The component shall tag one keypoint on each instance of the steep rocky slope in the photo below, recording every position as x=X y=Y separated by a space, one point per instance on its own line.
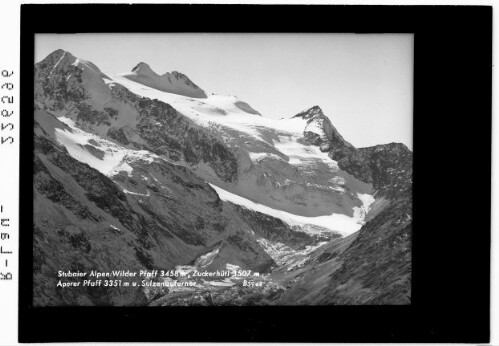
x=388 y=167
x=159 y=215
x=372 y=266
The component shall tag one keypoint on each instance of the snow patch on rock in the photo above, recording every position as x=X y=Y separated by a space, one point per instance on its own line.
x=115 y=157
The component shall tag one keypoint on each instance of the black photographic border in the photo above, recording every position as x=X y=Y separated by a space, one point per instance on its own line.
x=452 y=180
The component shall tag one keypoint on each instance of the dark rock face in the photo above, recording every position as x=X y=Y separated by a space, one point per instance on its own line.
x=118 y=134
x=94 y=151
x=87 y=115
x=58 y=82
x=388 y=167
x=273 y=229
x=182 y=77
x=255 y=257
x=377 y=266
x=53 y=190
x=169 y=133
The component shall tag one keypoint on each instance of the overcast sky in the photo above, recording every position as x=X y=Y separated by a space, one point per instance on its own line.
x=363 y=83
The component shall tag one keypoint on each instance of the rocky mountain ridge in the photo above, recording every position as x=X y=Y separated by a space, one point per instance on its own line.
x=171 y=82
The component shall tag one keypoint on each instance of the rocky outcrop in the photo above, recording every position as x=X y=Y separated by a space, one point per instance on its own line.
x=53 y=89
x=388 y=167
x=274 y=229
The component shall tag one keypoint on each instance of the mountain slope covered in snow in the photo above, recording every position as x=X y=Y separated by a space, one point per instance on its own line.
x=193 y=180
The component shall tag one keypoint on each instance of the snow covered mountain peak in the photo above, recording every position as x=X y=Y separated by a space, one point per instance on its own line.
x=61 y=60
x=170 y=82
x=320 y=131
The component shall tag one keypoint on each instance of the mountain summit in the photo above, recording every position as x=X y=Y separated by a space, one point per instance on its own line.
x=143 y=69
x=61 y=59
x=171 y=82
x=320 y=131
